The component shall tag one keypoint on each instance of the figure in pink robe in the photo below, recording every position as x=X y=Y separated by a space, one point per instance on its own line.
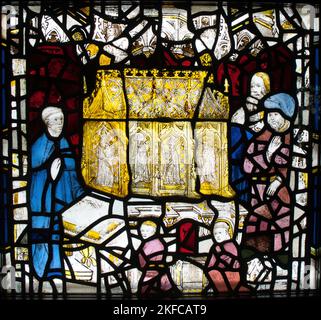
x=267 y=164
x=156 y=278
x=223 y=264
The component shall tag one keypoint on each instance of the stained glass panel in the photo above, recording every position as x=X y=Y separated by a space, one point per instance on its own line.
x=160 y=150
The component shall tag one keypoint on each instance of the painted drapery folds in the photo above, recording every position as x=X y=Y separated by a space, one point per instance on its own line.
x=160 y=151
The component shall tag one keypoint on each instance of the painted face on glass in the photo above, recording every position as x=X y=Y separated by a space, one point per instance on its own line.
x=147 y=231
x=243 y=42
x=223 y=48
x=112 y=31
x=221 y=234
x=275 y=120
x=53 y=37
x=258 y=90
x=55 y=124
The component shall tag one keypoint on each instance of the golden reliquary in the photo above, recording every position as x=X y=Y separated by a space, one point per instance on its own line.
x=139 y=143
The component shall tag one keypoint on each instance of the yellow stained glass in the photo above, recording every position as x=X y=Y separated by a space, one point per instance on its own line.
x=157 y=94
x=104 y=165
x=214 y=105
x=161 y=156
x=107 y=100
x=212 y=158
